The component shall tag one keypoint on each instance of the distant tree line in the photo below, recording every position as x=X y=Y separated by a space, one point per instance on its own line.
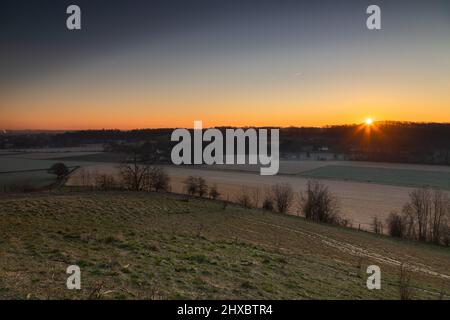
x=383 y=141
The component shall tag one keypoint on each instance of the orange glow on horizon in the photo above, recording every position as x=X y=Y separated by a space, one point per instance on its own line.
x=49 y=114
x=182 y=120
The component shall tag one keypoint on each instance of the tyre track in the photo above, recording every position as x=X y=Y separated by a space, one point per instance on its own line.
x=353 y=249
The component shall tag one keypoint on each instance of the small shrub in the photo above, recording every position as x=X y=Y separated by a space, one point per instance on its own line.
x=396 y=225
x=105 y=182
x=244 y=200
x=377 y=225
x=282 y=195
x=196 y=185
x=318 y=204
x=214 y=193
x=157 y=180
x=267 y=205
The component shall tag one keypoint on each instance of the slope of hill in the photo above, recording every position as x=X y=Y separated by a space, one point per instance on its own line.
x=159 y=246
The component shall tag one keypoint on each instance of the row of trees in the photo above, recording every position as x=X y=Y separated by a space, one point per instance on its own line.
x=138 y=177
x=316 y=203
x=132 y=176
x=426 y=217
x=197 y=186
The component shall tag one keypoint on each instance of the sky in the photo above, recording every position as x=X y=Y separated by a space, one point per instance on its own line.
x=154 y=64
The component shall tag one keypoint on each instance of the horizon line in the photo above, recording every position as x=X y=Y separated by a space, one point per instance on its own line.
x=2 y=131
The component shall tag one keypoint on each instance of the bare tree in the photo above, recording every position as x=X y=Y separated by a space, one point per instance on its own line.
x=445 y=234
x=267 y=204
x=140 y=176
x=105 y=182
x=248 y=197
x=420 y=207
x=440 y=212
x=157 y=179
x=244 y=201
x=202 y=187
x=214 y=193
x=396 y=225
x=196 y=185
x=134 y=174
x=255 y=195
x=377 y=225
x=282 y=195
x=191 y=185
x=317 y=203
x=409 y=223
x=85 y=177
x=427 y=215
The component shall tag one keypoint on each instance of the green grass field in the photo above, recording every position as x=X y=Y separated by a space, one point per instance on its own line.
x=27 y=172
x=397 y=177
x=157 y=246
x=33 y=179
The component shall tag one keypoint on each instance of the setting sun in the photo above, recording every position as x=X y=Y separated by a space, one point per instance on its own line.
x=369 y=121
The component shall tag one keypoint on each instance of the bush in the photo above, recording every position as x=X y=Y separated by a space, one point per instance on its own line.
x=143 y=177
x=282 y=196
x=196 y=185
x=377 y=225
x=249 y=197
x=446 y=236
x=191 y=185
x=267 y=205
x=244 y=200
x=158 y=180
x=214 y=193
x=318 y=204
x=105 y=182
x=427 y=215
x=396 y=225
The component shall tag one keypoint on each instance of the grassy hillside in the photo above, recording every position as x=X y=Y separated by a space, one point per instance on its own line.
x=153 y=246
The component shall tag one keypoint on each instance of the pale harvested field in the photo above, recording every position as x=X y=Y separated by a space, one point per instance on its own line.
x=359 y=201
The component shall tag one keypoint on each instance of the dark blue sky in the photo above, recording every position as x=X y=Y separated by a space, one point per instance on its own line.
x=34 y=38
x=220 y=45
